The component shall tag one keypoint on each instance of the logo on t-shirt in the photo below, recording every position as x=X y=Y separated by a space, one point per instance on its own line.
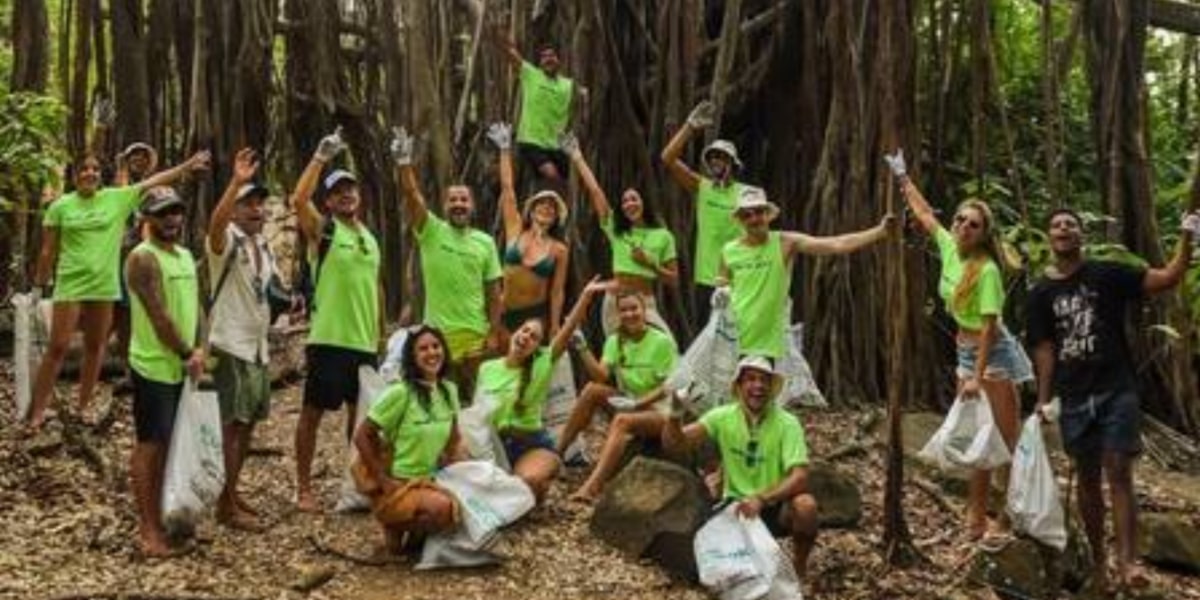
x=1075 y=320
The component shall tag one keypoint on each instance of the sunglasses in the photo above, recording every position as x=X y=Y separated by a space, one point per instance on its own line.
x=967 y=222
x=751 y=454
x=753 y=212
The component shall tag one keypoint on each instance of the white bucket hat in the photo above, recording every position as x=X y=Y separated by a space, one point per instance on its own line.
x=559 y=203
x=758 y=363
x=751 y=197
x=725 y=147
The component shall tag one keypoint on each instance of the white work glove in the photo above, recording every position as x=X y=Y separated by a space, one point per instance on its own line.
x=1191 y=224
x=35 y=294
x=720 y=298
x=568 y=143
x=104 y=114
x=330 y=146
x=501 y=135
x=896 y=163
x=622 y=403
x=702 y=116
x=680 y=404
x=401 y=147
x=579 y=341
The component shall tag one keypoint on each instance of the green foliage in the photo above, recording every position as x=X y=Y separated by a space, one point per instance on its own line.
x=31 y=149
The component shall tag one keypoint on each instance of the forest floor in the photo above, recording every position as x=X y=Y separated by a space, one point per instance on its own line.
x=67 y=531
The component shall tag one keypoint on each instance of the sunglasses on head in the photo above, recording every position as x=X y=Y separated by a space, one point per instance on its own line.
x=967 y=222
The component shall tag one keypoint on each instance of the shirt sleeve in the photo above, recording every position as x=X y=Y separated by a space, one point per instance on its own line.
x=944 y=242
x=388 y=411
x=528 y=72
x=129 y=197
x=1039 y=316
x=711 y=422
x=609 y=355
x=990 y=290
x=795 y=448
x=606 y=225
x=431 y=229
x=53 y=216
x=1127 y=280
x=668 y=250
x=216 y=262
x=491 y=267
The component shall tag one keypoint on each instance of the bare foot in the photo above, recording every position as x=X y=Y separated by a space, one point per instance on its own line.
x=1132 y=576
x=243 y=505
x=154 y=545
x=307 y=503
x=231 y=515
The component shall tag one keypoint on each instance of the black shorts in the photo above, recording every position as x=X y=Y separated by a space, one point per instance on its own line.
x=333 y=375
x=772 y=517
x=536 y=156
x=154 y=407
x=1105 y=422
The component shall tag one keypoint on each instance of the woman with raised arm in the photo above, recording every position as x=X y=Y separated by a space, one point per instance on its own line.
x=81 y=246
x=535 y=257
x=643 y=251
x=989 y=357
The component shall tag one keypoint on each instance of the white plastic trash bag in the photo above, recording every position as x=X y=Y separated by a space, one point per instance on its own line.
x=489 y=499
x=195 y=469
x=560 y=402
x=738 y=559
x=1033 y=501
x=390 y=368
x=475 y=426
x=799 y=387
x=371 y=386
x=968 y=438
x=29 y=341
x=707 y=367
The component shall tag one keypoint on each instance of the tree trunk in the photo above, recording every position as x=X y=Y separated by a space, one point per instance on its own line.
x=131 y=87
x=77 y=127
x=31 y=46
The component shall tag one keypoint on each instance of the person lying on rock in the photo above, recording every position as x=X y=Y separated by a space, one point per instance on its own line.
x=763 y=455
x=411 y=431
x=1076 y=316
x=519 y=381
x=628 y=378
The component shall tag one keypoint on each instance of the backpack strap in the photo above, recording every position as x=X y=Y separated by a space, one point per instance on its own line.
x=216 y=291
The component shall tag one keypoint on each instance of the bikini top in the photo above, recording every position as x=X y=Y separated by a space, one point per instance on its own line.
x=543 y=268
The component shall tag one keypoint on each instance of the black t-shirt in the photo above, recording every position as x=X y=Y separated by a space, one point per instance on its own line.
x=1084 y=316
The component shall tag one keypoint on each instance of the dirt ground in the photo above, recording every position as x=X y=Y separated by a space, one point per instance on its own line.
x=67 y=531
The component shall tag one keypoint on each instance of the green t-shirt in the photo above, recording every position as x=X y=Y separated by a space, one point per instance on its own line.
x=456 y=265
x=755 y=460
x=641 y=365
x=545 y=107
x=657 y=242
x=758 y=291
x=418 y=436
x=715 y=226
x=89 y=242
x=346 y=300
x=181 y=298
x=986 y=298
x=503 y=383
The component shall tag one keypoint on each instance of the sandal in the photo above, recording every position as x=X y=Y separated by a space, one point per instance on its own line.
x=995 y=540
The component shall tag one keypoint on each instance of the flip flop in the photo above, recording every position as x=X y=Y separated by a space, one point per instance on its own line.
x=995 y=541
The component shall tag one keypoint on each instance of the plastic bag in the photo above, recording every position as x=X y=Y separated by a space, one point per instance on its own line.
x=560 y=402
x=475 y=426
x=390 y=368
x=968 y=437
x=29 y=341
x=1033 y=500
x=707 y=367
x=195 y=468
x=489 y=499
x=370 y=387
x=799 y=388
x=738 y=559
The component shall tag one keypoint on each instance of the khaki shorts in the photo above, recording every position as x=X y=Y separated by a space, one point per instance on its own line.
x=244 y=389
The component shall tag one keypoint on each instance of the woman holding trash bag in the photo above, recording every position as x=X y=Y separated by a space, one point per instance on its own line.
x=990 y=360
x=628 y=379
x=643 y=251
x=535 y=258
x=520 y=383
x=410 y=431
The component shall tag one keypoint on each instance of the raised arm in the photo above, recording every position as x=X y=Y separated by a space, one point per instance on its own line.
x=836 y=244
x=196 y=162
x=1157 y=281
x=507 y=45
x=559 y=342
x=245 y=165
x=700 y=117
x=570 y=145
x=501 y=135
x=412 y=203
x=145 y=280
x=558 y=286
x=595 y=369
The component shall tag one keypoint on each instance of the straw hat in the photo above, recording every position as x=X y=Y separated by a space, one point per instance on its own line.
x=751 y=197
x=559 y=204
x=758 y=363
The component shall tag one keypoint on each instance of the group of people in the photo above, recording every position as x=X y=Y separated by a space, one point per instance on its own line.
x=494 y=325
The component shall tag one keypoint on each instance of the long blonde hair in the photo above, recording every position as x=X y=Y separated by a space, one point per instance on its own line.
x=992 y=250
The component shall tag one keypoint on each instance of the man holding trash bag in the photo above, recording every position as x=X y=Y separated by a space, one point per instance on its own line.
x=1076 y=316
x=163 y=346
x=763 y=455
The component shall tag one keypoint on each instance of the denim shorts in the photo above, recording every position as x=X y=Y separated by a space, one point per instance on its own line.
x=517 y=444
x=1108 y=421
x=1006 y=360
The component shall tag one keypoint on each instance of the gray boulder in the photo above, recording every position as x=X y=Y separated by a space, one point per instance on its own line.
x=839 y=500
x=1171 y=541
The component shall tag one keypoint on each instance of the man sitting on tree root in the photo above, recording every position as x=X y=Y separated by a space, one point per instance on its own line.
x=1076 y=317
x=764 y=456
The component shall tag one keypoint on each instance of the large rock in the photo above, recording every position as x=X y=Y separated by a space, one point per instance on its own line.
x=839 y=501
x=1016 y=572
x=1171 y=541
x=653 y=509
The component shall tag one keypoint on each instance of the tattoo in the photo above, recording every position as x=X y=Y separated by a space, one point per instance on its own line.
x=145 y=280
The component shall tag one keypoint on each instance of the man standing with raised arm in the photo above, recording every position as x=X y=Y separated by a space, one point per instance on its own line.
x=459 y=266
x=546 y=96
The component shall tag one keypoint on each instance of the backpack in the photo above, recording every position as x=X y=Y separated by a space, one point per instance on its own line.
x=306 y=282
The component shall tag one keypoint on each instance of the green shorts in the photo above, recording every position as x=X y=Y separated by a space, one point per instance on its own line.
x=244 y=388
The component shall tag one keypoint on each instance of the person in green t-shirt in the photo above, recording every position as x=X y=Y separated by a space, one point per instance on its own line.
x=764 y=457
x=628 y=380
x=758 y=270
x=519 y=381
x=81 y=250
x=989 y=357
x=411 y=431
x=643 y=251
x=535 y=257
x=546 y=99
x=346 y=330
x=164 y=348
x=460 y=269
x=716 y=197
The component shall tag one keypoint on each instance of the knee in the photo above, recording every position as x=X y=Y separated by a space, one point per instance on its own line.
x=804 y=512
x=591 y=394
x=437 y=513
x=621 y=423
x=56 y=349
